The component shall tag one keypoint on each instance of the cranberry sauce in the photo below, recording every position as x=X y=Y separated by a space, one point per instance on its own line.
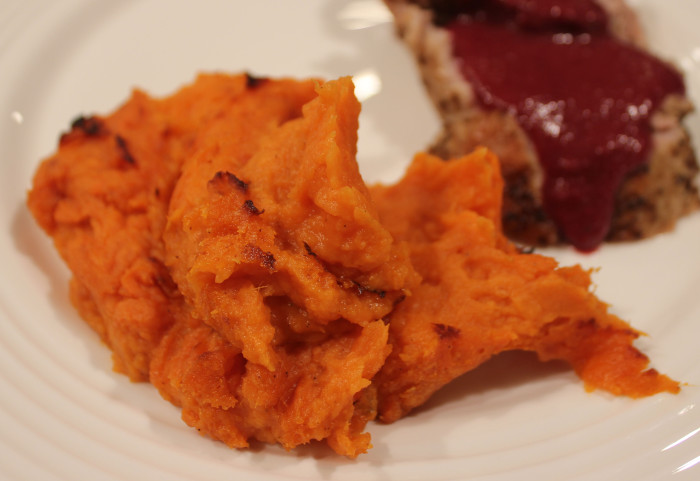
x=584 y=98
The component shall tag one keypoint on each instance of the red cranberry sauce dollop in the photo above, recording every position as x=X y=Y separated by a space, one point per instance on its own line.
x=584 y=98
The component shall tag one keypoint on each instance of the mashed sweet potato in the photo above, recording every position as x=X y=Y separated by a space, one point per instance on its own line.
x=104 y=196
x=282 y=256
x=225 y=247
x=479 y=296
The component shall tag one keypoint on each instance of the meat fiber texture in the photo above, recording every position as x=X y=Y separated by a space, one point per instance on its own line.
x=225 y=247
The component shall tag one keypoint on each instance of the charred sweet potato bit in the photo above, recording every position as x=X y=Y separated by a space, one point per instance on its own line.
x=249 y=205
x=124 y=149
x=253 y=81
x=222 y=180
x=90 y=126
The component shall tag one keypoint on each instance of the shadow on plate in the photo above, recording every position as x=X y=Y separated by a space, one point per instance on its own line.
x=503 y=372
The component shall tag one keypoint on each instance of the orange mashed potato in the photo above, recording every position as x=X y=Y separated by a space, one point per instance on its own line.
x=225 y=247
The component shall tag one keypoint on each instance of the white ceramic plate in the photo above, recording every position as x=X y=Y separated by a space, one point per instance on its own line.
x=65 y=416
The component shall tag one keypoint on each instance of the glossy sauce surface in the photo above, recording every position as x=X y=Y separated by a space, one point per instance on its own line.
x=584 y=98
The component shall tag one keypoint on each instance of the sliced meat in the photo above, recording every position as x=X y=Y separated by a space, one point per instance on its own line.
x=650 y=198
